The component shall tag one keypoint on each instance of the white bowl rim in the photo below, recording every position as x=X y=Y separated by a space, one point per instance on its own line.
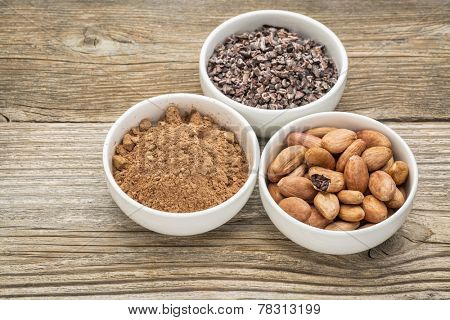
x=250 y=180
x=263 y=184
x=339 y=83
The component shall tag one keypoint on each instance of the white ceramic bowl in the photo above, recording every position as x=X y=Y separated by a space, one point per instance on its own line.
x=182 y=224
x=266 y=122
x=337 y=242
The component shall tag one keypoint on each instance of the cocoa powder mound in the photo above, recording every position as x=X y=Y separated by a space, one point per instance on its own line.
x=180 y=165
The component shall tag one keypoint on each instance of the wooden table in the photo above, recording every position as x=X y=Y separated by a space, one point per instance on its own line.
x=69 y=69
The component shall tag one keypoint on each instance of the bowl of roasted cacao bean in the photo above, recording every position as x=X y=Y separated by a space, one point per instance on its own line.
x=337 y=183
x=273 y=67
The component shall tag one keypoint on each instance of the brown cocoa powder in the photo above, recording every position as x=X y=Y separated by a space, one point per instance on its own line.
x=180 y=165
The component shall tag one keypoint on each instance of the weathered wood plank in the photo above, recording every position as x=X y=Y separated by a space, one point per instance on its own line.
x=77 y=62
x=62 y=236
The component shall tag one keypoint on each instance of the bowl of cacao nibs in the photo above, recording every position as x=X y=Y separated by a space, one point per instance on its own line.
x=181 y=164
x=336 y=182
x=273 y=67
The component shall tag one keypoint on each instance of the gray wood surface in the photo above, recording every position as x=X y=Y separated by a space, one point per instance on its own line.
x=68 y=69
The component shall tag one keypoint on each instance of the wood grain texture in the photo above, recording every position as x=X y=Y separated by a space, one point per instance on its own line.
x=62 y=236
x=68 y=61
x=70 y=68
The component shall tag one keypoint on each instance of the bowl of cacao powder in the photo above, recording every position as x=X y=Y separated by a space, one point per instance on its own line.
x=273 y=67
x=302 y=213
x=181 y=164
